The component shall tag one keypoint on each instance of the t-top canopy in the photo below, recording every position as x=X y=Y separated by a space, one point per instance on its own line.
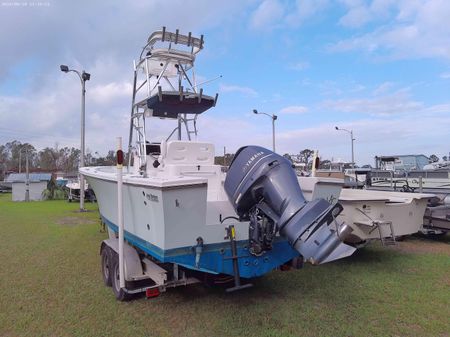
x=169 y=104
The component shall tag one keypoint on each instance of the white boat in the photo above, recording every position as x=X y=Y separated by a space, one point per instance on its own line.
x=437 y=216
x=437 y=181
x=433 y=178
x=73 y=187
x=440 y=165
x=181 y=210
x=373 y=215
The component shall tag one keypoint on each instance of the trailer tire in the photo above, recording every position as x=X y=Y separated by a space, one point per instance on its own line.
x=106 y=266
x=120 y=294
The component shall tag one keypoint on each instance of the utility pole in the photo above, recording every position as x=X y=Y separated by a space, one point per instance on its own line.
x=274 y=118
x=352 y=140
x=27 y=180
x=84 y=76
x=353 y=152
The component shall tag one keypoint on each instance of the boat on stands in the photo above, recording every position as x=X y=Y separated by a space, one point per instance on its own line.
x=372 y=214
x=434 y=178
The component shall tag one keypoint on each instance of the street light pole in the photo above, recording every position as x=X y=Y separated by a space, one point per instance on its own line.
x=273 y=131
x=27 y=180
x=353 y=152
x=27 y=172
x=83 y=114
x=274 y=118
x=84 y=76
x=352 y=140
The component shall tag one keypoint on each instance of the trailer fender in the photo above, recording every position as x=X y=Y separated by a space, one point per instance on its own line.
x=132 y=261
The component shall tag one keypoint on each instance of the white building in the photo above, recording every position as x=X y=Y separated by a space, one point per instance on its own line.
x=37 y=184
x=407 y=162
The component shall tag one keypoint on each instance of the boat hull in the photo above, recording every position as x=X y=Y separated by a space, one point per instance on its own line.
x=369 y=212
x=165 y=223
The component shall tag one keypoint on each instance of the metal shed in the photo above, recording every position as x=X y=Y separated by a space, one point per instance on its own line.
x=37 y=184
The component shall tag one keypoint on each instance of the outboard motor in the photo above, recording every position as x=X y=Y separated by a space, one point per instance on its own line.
x=263 y=188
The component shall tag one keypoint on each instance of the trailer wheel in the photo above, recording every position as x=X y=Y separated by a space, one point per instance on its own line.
x=120 y=294
x=106 y=266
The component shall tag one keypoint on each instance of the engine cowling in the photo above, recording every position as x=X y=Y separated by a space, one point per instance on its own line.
x=263 y=188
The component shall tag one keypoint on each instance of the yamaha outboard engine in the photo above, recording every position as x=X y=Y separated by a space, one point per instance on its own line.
x=263 y=188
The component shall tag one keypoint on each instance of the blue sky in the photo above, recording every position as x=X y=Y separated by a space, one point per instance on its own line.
x=380 y=68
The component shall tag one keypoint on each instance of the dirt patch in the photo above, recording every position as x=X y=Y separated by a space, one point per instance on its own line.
x=85 y=211
x=425 y=246
x=446 y=281
x=74 y=221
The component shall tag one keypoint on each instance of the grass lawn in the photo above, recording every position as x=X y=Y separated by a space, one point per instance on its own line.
x=51 y=285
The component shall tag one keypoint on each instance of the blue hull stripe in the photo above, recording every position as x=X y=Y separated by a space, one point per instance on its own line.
x=215 y=257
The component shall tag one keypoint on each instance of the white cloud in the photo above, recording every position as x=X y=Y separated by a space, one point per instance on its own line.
x=48 y=109
x=383 y=88
x=51 y=115
x=294 y=109
x=229 y=132
x=272 y=14
x=356 y=16
x=437 y=109
x=301 y=65
x=420 y=29
x=68 y=32
x=268 y=14
x=105 y=93
x=246 y=91
x=358 y=88
x=374 y=136
x=361 y=12
x=329 y=88
x=305 y=9
x=395 y=103
x=445 y=75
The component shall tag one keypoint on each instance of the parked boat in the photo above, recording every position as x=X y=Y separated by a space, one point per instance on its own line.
x=372 y=215
x=390 y=173
x=183 y=217
x=408 y=176
x=430 y=178
x=437 y=216
x=73 y=194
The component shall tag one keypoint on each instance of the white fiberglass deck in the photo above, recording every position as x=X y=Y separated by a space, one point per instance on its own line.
x=181 y=199
x=371 y=195
x=109 y=173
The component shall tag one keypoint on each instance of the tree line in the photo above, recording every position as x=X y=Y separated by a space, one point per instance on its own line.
x=66 y=159
x=50 y=159
x=304 y=156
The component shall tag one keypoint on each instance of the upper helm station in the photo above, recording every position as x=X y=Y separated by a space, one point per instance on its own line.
x=165 y=86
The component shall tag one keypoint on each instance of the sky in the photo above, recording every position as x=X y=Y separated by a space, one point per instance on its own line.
x=380 y=68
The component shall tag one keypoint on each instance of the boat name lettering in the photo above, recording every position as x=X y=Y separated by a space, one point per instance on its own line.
x=252 y=159
x=152 y=197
